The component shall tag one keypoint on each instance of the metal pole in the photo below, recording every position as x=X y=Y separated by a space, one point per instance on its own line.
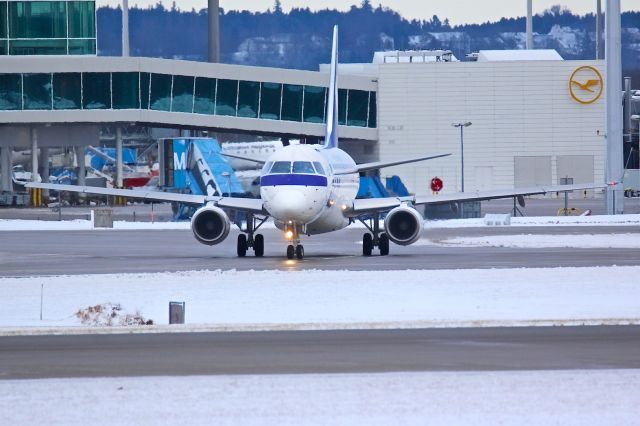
x=599 y=43
x=214 y=30
x=119 y=179
x=627 y=109
x=34 y=154
x=125 y=27
x=529 y=24
x=82 y=171
x=613 y=89
x=44 y=169
x=5 y=165
x=462 y=154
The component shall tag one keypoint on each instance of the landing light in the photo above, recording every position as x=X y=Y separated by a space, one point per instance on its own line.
x=344 y=207
x=289 y=235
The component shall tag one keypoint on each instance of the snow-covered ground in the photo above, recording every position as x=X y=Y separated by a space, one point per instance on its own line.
x=576 y=397
x=542 y=241
x=81 y=225
x=225 y=300
x=602 y=220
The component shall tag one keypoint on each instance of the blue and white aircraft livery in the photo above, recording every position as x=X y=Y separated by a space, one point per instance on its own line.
x=311 y=189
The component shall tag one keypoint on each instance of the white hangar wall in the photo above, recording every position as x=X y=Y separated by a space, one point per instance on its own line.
x=522 y=114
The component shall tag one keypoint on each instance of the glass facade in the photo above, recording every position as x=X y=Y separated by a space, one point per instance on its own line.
x=48 y=27
x=188 y=94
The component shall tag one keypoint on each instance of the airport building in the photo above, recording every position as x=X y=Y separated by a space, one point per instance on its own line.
x=531 y=123
x=535 y=119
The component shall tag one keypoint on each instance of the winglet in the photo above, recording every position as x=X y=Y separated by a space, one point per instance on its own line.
x=331 y=134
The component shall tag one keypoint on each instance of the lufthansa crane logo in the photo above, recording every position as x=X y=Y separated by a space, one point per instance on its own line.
x=586 y=84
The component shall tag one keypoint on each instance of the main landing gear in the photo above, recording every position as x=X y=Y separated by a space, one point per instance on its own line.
x=375 y=238
x=248 y=239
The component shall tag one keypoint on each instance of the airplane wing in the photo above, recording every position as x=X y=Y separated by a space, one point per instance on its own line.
x=240 y=157
x=252 y=205
x=380 y=164
x=370 y=205
x=502 y=193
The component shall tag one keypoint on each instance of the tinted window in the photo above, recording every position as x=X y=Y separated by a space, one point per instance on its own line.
x=319 y=167
x=37 y=91
x=182 y=93
x=10 y=91
x=270 y=94
x=205 y=96
x=96 y=90
x=292 y=102
x=281 y=167
x=303 y=167
x=66 y=90
x=126 y=90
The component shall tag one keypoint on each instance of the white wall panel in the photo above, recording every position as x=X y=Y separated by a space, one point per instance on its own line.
x=518 y=109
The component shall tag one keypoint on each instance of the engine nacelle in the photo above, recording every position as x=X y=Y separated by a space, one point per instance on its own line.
x=210 y=225
x=403 y=225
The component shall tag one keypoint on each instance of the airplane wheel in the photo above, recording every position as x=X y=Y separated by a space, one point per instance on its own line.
x=384 y=245
x=290 y=252
x=258 y=245
x=242 y=245
x=300 y=252
x=367 y=244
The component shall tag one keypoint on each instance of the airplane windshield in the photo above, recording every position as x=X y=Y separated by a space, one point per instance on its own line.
x=319 y=167
x=267 y=167
x=303 y=167
x=281 y=167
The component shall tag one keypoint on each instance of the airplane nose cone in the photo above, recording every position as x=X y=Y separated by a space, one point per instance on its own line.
x=289 y=205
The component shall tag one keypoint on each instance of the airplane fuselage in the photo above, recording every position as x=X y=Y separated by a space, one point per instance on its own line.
x=305 y=187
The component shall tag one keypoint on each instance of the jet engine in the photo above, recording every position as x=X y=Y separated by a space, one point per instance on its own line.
x=403 y=225
x=210 y=225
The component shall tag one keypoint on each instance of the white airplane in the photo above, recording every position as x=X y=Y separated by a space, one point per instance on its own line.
x=311 y=189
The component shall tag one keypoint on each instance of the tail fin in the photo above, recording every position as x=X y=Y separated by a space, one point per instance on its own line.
x=331 y=134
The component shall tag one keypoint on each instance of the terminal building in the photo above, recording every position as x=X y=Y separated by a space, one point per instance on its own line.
x=535 y=119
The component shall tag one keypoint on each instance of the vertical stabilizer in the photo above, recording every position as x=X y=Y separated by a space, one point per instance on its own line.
x=331 y=134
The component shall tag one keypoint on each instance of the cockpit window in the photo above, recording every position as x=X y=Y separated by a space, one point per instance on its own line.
x=303 y=167
x=319 y=167
x=267 y=167
x=281 y=167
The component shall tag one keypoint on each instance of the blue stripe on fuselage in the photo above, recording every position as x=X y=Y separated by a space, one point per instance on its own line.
x=293 y=179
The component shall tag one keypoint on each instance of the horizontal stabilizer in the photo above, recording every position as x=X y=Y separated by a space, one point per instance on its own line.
x=380 y=164
x=240 y=157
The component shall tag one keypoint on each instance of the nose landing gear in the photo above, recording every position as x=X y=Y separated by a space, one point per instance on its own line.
x=295 y=248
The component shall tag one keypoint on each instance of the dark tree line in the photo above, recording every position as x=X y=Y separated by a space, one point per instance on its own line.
x=301 y=38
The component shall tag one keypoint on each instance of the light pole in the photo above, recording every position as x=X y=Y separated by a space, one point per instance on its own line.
x=462 y=126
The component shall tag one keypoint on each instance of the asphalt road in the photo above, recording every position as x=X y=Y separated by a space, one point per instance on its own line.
x=470 y=349
x=85 y=252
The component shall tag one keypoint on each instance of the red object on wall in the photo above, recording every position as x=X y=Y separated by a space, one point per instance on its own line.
x=436 y=184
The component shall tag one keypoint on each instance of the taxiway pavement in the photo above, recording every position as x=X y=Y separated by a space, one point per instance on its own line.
x=353 y=351
x=32 y=253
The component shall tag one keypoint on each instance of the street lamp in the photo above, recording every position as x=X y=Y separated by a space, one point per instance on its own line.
x=462 y=126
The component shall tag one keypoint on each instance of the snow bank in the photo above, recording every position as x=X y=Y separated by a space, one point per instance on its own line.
x=544 y=241
x=336 y=299
x=82 y=225
x=576 y=397
x=601 y=220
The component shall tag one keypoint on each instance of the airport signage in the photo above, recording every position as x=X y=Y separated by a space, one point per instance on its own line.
x=586 y=85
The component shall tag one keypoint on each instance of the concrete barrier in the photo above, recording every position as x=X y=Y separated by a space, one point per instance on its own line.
x=497 y=219
x=102 y=218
